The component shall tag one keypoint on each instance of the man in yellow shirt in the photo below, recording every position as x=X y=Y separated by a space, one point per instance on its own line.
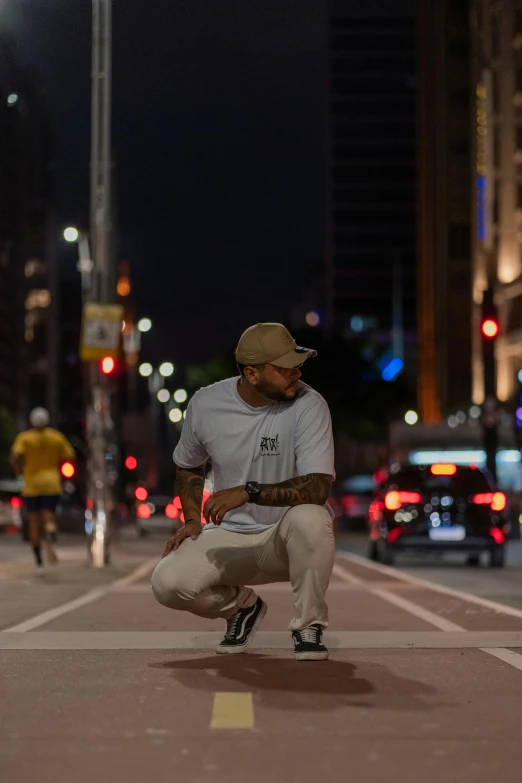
x=37 y=455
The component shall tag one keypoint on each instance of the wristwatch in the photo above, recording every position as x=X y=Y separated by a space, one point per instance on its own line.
x=253 y=489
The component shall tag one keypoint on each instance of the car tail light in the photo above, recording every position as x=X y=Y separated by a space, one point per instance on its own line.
x=394 y=534
x=16 y=502
x=143 y=511
x=171 y=511
x=498 y=535
x=443 y=469
x=374 y=511
x=395 y=499
x=497 y=500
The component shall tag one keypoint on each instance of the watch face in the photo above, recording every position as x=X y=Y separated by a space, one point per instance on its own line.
x=253 y=487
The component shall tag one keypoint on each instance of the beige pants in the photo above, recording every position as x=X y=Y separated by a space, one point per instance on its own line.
x=208 y=576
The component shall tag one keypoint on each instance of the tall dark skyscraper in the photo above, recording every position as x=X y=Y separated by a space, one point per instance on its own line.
x=445 y=107
x=27 y=302
x=371 y=247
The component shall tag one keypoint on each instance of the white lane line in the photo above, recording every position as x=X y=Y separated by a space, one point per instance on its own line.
x=408 y=606
x=419 y=582
x=340 y=573
x=88 y=598
x=508 y=656
x=265 y=640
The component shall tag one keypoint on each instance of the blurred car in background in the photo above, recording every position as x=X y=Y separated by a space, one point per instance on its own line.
x=162 y=513
x=157 y=514
x=11 y=506
x=438 y=508
x=70 y=511
x=355 y=495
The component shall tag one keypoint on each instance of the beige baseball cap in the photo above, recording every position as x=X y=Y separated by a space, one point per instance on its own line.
x=270 y=343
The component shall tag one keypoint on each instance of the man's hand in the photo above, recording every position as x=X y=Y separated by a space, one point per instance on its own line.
x=225 y=500
x=189 y=530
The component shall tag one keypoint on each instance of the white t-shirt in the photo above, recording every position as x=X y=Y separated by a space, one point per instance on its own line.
x=269 y=444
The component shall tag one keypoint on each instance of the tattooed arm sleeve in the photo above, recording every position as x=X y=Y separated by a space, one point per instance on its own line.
x=191 y=482
x=312 y=488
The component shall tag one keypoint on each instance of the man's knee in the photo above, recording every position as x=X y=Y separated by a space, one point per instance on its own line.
x=169 y=586
x=309 y=521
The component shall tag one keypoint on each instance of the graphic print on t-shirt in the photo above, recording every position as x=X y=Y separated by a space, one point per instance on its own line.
x=270 y=447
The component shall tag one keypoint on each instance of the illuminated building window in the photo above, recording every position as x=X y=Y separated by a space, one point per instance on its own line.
x=34 y=267
x=38 y=297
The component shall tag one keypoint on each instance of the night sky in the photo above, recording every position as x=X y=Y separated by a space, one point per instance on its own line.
x=218 y=136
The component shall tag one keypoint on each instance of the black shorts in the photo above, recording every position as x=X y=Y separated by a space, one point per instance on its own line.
x=42 y=503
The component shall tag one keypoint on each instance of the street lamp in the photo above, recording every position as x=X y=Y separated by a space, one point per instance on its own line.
x=166 y=369
x=145 y=369
x=163 y=395
x=175 y=415
x=411 y=417
x=71 y=234
x=144 y=325
x=180 y=395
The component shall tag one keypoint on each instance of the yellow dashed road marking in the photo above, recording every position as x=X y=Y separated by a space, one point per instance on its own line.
x=232 y=711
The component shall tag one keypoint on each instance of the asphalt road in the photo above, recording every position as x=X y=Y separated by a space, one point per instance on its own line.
x=99 y=682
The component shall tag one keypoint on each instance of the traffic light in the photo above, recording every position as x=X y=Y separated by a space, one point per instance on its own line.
x=108 y=365
x=131 y=463
x=68 y=470
x=489 y=328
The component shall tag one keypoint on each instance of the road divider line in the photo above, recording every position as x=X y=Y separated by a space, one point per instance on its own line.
x=232 y=711
x=419 y=582
x=341 y=573
x=265 y=640
x=508 y=656
x=87 y=598
x=503 y=654
x=408 y=606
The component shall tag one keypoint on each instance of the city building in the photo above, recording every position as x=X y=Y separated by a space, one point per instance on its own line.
x=28 y=302
x=371 y=245
x=497 y=185
x=445 y=108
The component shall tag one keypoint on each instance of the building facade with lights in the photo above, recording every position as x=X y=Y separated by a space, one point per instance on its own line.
x=370 y=253
x=444 y=206
x=28 y=314
x=496 y=29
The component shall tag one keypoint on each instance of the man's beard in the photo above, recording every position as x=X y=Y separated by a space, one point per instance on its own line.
x=267 y=390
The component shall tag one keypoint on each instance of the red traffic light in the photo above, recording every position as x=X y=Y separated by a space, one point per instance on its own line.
x=141 y=493
x=489 y=328
x=68 y=470
x=108 y=365
x=131 y=463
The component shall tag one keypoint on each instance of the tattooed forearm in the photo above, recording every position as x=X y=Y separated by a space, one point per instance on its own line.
x=312 y=488
x=190 y=487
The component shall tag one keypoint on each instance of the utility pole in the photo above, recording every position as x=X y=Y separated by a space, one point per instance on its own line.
x=100 y=427
x=489 y=328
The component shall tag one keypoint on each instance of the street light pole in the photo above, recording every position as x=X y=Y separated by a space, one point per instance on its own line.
x=100 y=428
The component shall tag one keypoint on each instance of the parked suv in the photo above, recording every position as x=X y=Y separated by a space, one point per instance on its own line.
x=440 y=507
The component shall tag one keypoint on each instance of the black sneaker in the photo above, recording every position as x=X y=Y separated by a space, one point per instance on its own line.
x=307 y=644
x=241 y=628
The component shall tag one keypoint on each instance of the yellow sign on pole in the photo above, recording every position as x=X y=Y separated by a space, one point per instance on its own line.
x=101 y=332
